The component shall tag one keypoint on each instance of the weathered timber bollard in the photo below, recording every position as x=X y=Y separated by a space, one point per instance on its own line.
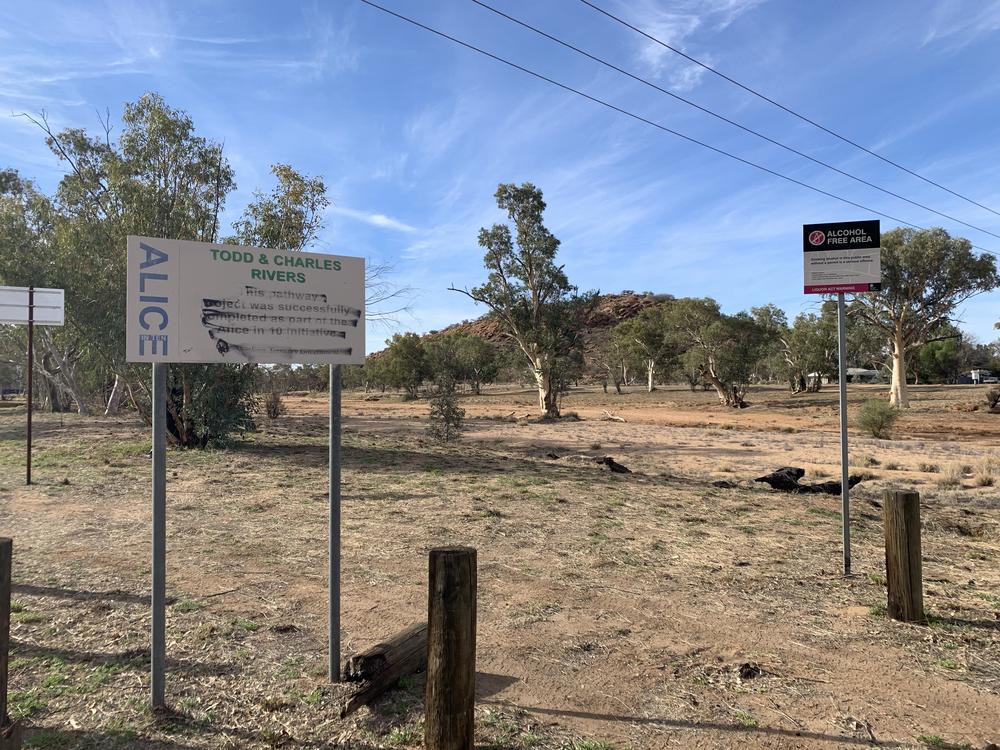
x=451 y=650
x=10 y=736
x=903 y=569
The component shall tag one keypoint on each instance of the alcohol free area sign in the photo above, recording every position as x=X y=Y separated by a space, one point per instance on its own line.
x=202 y=302
x=842 y=257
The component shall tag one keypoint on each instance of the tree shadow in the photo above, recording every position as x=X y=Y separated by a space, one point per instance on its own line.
x=960 y=622
x=711 y=726
x=76 y=595
x=427 y=459
x=110 y=739
x=137 y=659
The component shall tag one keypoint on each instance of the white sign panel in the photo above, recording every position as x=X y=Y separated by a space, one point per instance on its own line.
x=49 y=306
x=842 y=257
x=202 y=302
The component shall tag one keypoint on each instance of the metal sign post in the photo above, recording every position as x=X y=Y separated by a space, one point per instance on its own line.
x=31 y=369
x=207 y=303
x=842 y=257
x=845 y=488
x=158 y=629
x=334 y=532
x=30 y=306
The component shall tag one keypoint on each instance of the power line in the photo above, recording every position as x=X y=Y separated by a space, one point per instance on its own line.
x=640 y=118
x=790 y=111
x=725 y=119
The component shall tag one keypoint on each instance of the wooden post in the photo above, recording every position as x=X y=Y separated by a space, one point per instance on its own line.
x=10 y=737
x=451 y=650
x=903 y=570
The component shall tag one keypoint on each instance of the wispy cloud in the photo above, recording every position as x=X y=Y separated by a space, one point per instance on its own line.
x=680 y=24
x=373 y=218
x=214 y=40
x=957 y=25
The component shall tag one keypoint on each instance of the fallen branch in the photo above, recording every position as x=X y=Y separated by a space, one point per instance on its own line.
x=378 y=669
x=786 y=479
x=610 y=416
x=604 y=461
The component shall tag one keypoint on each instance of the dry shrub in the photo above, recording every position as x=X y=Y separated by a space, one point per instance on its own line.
x=274 y=406
x=987 y=470
x=993 y=398
x=951 y=476
x=877 y=418
x=446 y=415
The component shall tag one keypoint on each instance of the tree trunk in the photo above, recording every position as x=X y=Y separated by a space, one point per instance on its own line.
x=114 y=400
x=55 y=403
x=63 y=371
x=186 y=406
x=547 y=402
x=650 y=371
x=898 y=396
x=720 y=388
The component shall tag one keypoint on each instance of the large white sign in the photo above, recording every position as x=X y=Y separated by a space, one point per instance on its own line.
x=202 y=302
x=842 y=256
x=48 y=304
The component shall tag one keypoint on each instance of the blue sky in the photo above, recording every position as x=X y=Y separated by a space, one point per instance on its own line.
x=412 y=133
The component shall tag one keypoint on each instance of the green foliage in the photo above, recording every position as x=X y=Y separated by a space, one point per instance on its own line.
x=158 y=179
x=877 y=418
x=461 y=358
x=531 y=296
x=810 y=346
x=207 y=404
x=941 y=361
x=478 y=359
x=772 y=320
x=441 y=357
x=446 y=415
x=288 y=218
x=926 y=275
x=725 y=350
x=645 y=339
x=404 y=364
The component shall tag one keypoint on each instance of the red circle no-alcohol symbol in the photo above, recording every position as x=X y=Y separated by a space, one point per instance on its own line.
x=817 y=238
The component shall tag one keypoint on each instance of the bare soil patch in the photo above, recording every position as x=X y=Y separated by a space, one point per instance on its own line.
x=639 y=610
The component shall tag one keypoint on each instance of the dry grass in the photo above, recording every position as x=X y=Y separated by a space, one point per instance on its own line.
x=951 y=476
x=634 y=598
x=987 y=471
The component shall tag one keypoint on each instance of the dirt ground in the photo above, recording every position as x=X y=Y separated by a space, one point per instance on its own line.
x=642 y=610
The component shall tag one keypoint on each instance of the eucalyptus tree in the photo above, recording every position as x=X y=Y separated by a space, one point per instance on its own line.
x=539 y=310
x=725 y=350
x=926 y=275
x=646 y=338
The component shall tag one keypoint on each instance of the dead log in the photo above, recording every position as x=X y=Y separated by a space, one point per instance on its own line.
x=613 y=465
x=378 y=669
x=610 y=416
x=605 y=462
x=786 y=479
